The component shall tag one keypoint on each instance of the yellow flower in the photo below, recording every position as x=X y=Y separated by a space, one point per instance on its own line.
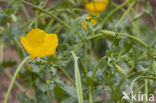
x=93 y=21
x=29 y=67
x=39 y=43
x=96 y=6
x=84 y=25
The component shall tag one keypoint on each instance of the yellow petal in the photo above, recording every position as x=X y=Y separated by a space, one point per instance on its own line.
x=48 y=47
x=36 y=37
x=26 y=45
x=104 y=1
x=39 y=43
x=84 y=25
x=93 y=21
x=96 y=7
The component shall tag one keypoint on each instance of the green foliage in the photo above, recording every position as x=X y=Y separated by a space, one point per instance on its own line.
x=108 y=57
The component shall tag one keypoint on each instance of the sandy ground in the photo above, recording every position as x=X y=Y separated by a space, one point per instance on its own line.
x=9 y=53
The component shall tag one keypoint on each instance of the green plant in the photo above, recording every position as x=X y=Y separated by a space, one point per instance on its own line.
x=96 y=65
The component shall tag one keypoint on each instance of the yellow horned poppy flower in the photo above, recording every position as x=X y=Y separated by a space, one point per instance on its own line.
x=39 y=43
x=96 y=6
x=93 y=21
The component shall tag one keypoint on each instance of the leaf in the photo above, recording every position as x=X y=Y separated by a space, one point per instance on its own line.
x=8 y=63
x=41 y=85
x=24 y=99
x=68 y=89
x=69 y=100
x=78 y=79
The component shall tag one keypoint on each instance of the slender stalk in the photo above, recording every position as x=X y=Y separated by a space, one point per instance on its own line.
x=47 y=28
x=16 y=83
x=110 y=33
x=45 y=11
x=45 y=3
x=115 y=10
x=1 y=51
x=49 y=95
x=14 y=78
x=139 y=88
x=135 y=23
x=140 y=77
x=85 y=72
x=146 y=88
x=78 y=79
x=133 y=37
x=19 y=46
x=90 y=95
x=153 y=19
x=33 y=20
x=125 y=14
x=85 y=49
x=97 y=67
x=24 y=10
x=12 y=2
x=67 y=75
x=57 y=12
x=36 y=19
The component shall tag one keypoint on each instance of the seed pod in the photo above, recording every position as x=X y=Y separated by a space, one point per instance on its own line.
x=154 y=67
x=48 y=81
x=13 y=17
x=120 y=70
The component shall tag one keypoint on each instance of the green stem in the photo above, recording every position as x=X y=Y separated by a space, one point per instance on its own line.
x=36 y=19
x=125 y=14
x=24 y=10
x=16 y=83
x=1 y=51
x=85 y=49
x=139 y=89
x=83 y=68
x=12 y=2
x=14 y=78
x=110 y=33
x=78 y=79
x=133 y=37
x=140 y=77
x=90 y=95
x=19 y=46
x=96 y=69
x=146 y=88
x=67 y=75
x=45 y=11
x=56 y=12
x=49 y=95
x=33 y=20
x=153 y=19
x=45 y=3
x=47 y=28
x=115 y=10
